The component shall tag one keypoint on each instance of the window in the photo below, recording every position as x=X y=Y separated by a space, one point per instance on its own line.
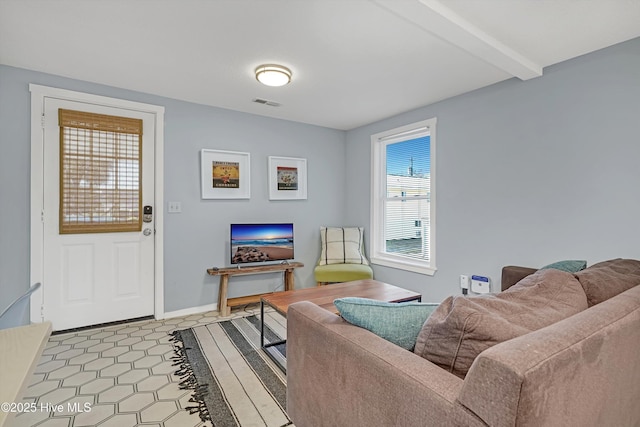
x=402 y=200
x=100 y=159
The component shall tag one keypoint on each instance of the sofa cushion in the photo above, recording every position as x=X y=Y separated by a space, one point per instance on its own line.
x=399 y=323
x=569 y=265
x=462 y=327
x=607 y=279
x=342 y=245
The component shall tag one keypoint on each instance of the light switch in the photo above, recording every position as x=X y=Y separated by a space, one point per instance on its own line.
x=175 y=207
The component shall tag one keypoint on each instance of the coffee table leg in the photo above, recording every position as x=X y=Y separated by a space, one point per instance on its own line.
x=261 y=324
x=264 y=346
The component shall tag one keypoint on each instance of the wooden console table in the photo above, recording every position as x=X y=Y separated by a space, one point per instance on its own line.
x=225 y=304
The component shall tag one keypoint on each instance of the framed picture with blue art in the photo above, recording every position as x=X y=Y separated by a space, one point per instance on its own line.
x=287 y=178
x=225 y=174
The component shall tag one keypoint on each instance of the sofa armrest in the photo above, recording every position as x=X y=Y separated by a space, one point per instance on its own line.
x=339 y=374
x=580 y=371
x=512 y=274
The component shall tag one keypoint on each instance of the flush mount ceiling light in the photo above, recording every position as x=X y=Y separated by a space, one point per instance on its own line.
x=273 y=75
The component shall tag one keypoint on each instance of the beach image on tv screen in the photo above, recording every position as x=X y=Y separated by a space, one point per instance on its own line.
x=261 y=242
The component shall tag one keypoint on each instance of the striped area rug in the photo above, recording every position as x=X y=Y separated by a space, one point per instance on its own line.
x=234 y=382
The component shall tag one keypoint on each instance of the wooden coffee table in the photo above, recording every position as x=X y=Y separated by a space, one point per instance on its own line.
x=324 y=297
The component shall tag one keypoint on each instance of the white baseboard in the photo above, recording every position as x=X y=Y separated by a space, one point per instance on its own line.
x=190 y=311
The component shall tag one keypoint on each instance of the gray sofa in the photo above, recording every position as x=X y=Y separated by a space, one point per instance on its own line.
x=583 y=370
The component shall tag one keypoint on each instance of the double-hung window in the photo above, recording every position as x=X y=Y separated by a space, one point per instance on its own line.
x=403 y=197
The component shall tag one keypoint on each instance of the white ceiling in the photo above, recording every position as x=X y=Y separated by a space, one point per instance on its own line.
x=353 y=61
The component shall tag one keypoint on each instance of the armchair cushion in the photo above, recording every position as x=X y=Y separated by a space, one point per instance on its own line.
x=342 y=245
x=337 y=273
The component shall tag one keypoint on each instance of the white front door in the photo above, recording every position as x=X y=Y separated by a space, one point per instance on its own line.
x=97 y=275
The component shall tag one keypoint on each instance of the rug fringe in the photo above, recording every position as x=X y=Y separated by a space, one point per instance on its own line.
x=188 y=380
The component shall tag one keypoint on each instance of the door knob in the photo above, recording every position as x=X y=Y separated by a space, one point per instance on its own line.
x=146 y=232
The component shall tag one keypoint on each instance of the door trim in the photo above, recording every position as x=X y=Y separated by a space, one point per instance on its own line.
x=38 y=95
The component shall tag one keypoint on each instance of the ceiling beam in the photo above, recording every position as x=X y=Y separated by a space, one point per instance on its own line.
x=435 y=18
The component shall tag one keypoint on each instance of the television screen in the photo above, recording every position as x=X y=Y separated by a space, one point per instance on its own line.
x=252 y=243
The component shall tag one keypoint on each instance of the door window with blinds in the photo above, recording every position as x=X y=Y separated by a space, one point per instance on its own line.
x=402 y=202
x=100 y=166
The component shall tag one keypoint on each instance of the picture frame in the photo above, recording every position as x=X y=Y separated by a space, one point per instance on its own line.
x=287 y=178
x=225 y=174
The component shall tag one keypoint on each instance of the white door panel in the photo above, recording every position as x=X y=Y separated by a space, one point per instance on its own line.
x=127 y=275
x=92 y=278
x=77 y=272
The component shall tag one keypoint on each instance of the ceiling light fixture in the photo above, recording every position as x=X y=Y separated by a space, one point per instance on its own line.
x=273 y=75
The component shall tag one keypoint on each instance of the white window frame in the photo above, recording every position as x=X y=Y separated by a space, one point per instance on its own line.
x=379 y=142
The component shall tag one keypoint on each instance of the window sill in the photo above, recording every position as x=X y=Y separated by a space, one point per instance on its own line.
x=403 y=264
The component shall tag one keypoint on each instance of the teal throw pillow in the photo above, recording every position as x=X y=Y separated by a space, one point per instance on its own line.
x=570 y=266
x=399 y=323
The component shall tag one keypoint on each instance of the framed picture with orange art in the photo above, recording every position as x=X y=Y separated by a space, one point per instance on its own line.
x=225 y=174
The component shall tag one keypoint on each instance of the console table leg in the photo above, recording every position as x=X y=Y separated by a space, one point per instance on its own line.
x=225 y=273
x=288 y=280
x=222 y=296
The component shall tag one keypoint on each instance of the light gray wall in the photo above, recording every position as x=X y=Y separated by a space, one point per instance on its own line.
x=527 y=172
x=559 y=155
x=197 y=238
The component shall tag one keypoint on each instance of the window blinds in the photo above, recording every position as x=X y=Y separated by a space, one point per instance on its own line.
x=408 y=188
x=100 y=170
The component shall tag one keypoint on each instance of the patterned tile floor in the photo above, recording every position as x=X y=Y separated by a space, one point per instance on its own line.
x=113 y=376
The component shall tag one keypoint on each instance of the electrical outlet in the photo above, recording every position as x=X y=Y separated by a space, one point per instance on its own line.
x=464 y=281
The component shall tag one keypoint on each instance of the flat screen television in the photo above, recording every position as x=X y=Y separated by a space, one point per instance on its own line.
x=261 y=243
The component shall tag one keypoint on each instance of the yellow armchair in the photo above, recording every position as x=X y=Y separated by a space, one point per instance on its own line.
x=342 y=256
